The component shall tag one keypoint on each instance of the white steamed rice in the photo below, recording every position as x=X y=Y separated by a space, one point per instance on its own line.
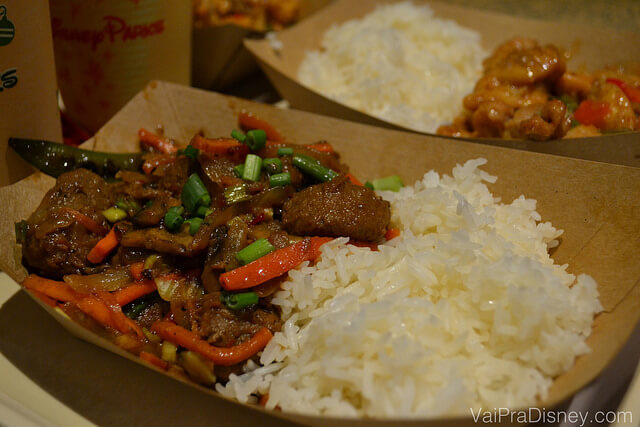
x=465 y=310
x=399 y=63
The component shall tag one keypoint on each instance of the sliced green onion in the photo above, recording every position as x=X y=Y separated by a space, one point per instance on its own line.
x=272 y=165
x=256 y=139
x=252 y=166
x=148 y=204
x=204 y=211
x=190 y=151
x=389 y=183
x=240 y=301
x=133 y=309
x=173 y=218
x=194 y=224
x=114 y=214
x=238 y=170
x=313 y=168
x=236 y=134
x=285 y=151
x=195 y=194
x=236 y=193
x=280 y=179
x=21 y=231
x=150 y=335
x=128 y=205
x=257 y=249
x=369 y=185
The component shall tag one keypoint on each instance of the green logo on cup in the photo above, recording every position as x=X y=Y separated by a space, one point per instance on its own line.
x=7 y=29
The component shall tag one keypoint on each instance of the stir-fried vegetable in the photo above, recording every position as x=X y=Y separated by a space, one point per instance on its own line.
x=272 y=165
x=285 y=151
x=103 y=247
x=114 y=214
x=257 y=249
x=273 y=264
x=240 y=301
x=256 y=139
x=313 y=168
x=252 y=167
x=224 y=356
x=195 y=194
x=236 y=134
x=280 y=179
x=235 y=194
x=389 y=183
x=54 y=159
x=161 y=144
x=173 y=219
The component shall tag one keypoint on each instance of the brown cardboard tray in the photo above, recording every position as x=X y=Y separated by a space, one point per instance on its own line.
x=597 y=204
x=591 y=47
x=218 y=57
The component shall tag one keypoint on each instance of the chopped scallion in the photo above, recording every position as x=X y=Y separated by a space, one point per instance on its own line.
x=204 y=211
x=114 y=214
x=190 y=151
x=238 y=170
x=135 y=308
x=252 y=166
x=173 y=218
x=240 y=301
x=313 y=168
x=272 y=165
x=389 y=183
x=131 y=206
x=236 y=134
x=195 y=194
x=256 y=139
x=194 y=224
x=236 y=193
x=280 y=179
x=285 y=151
x=257 y=249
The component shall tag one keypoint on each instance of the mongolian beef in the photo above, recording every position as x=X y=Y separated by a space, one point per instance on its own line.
x=174 y=254
x=526 y=92
x=257 y=15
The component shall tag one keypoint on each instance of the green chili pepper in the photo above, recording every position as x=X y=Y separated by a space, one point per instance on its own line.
x=54 y=159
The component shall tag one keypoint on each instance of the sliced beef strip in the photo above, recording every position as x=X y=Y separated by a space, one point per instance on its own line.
x=337 y=208
x=56 y=244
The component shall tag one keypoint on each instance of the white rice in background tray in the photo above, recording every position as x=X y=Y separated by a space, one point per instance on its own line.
x=399 y=63
x=465 y=310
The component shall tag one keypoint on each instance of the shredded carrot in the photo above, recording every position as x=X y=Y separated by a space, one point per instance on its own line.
x=154 y=360
x=354 y=180
x=161 y=144
x=136 y=270
x=100 y=251
x=248 y=121
x=44 y=298
x=97 y=309
x=134 y=291
x=150 y=165
x=392 y=233
x=221 y=147
x=224 y=356
x=59 y=291
x=118 y=319
x=86 y=222
x=323 y=147
x=273 y=265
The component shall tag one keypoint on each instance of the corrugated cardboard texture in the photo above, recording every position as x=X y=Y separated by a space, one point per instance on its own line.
x=598 y=205
x=591 y=47
x=28 y=109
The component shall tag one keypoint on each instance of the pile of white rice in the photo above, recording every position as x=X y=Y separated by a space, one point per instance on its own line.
x=465 y=310
x=398 y=63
